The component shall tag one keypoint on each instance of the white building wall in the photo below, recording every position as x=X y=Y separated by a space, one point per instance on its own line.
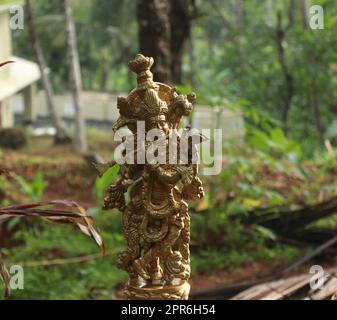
x=6 y=115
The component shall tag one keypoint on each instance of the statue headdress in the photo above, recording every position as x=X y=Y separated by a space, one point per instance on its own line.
x=141 y=66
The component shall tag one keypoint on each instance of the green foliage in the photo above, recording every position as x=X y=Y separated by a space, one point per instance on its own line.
x=211 y=260
x=240 y=64
x=242 y=172
x=220 y=242
x=103 y=27
x=103 y=183
x=181 y=89
x=275 y=144
x=331 y=132
x=33 y=189
x=243 y=64
x=93 y=279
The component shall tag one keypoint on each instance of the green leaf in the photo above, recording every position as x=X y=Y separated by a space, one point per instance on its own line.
x=104 y=182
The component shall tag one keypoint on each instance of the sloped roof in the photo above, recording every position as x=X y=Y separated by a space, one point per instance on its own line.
x=5 y=6
x=15 y=77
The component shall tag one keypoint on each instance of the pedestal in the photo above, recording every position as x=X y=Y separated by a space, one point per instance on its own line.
x=166 y=292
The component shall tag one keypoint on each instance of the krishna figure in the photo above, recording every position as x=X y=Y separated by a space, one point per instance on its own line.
x=156 y=222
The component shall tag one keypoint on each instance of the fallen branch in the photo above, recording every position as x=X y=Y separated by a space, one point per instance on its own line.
x=311 y=255
x=231 y=290
x=303 y=244
x=288 y=222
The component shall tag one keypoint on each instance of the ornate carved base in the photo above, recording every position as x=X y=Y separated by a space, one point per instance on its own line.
x=167 y=292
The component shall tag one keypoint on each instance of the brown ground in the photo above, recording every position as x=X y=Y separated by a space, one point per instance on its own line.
x=246 y=273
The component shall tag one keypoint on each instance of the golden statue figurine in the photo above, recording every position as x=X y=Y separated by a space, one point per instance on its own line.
x=156 y=222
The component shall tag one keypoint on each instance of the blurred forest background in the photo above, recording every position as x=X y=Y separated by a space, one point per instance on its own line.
x=259 y=57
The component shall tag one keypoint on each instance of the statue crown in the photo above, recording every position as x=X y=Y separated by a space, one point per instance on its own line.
x=140 y=64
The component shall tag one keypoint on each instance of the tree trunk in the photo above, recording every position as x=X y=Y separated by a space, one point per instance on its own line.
x=192 y=63
x=288 y=78
x=76 y=79
x=317 y=113
x=193 y=72
x=180 y=32
x=268 y=12
x=304 y=7
x=105 y=78
x=238 y=13
x=155 y=35
x=61 y=136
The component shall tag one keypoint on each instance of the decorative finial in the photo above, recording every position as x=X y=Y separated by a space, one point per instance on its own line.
x=141 y=66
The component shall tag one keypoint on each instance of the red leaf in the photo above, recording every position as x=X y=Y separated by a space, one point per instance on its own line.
x=76 y=216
